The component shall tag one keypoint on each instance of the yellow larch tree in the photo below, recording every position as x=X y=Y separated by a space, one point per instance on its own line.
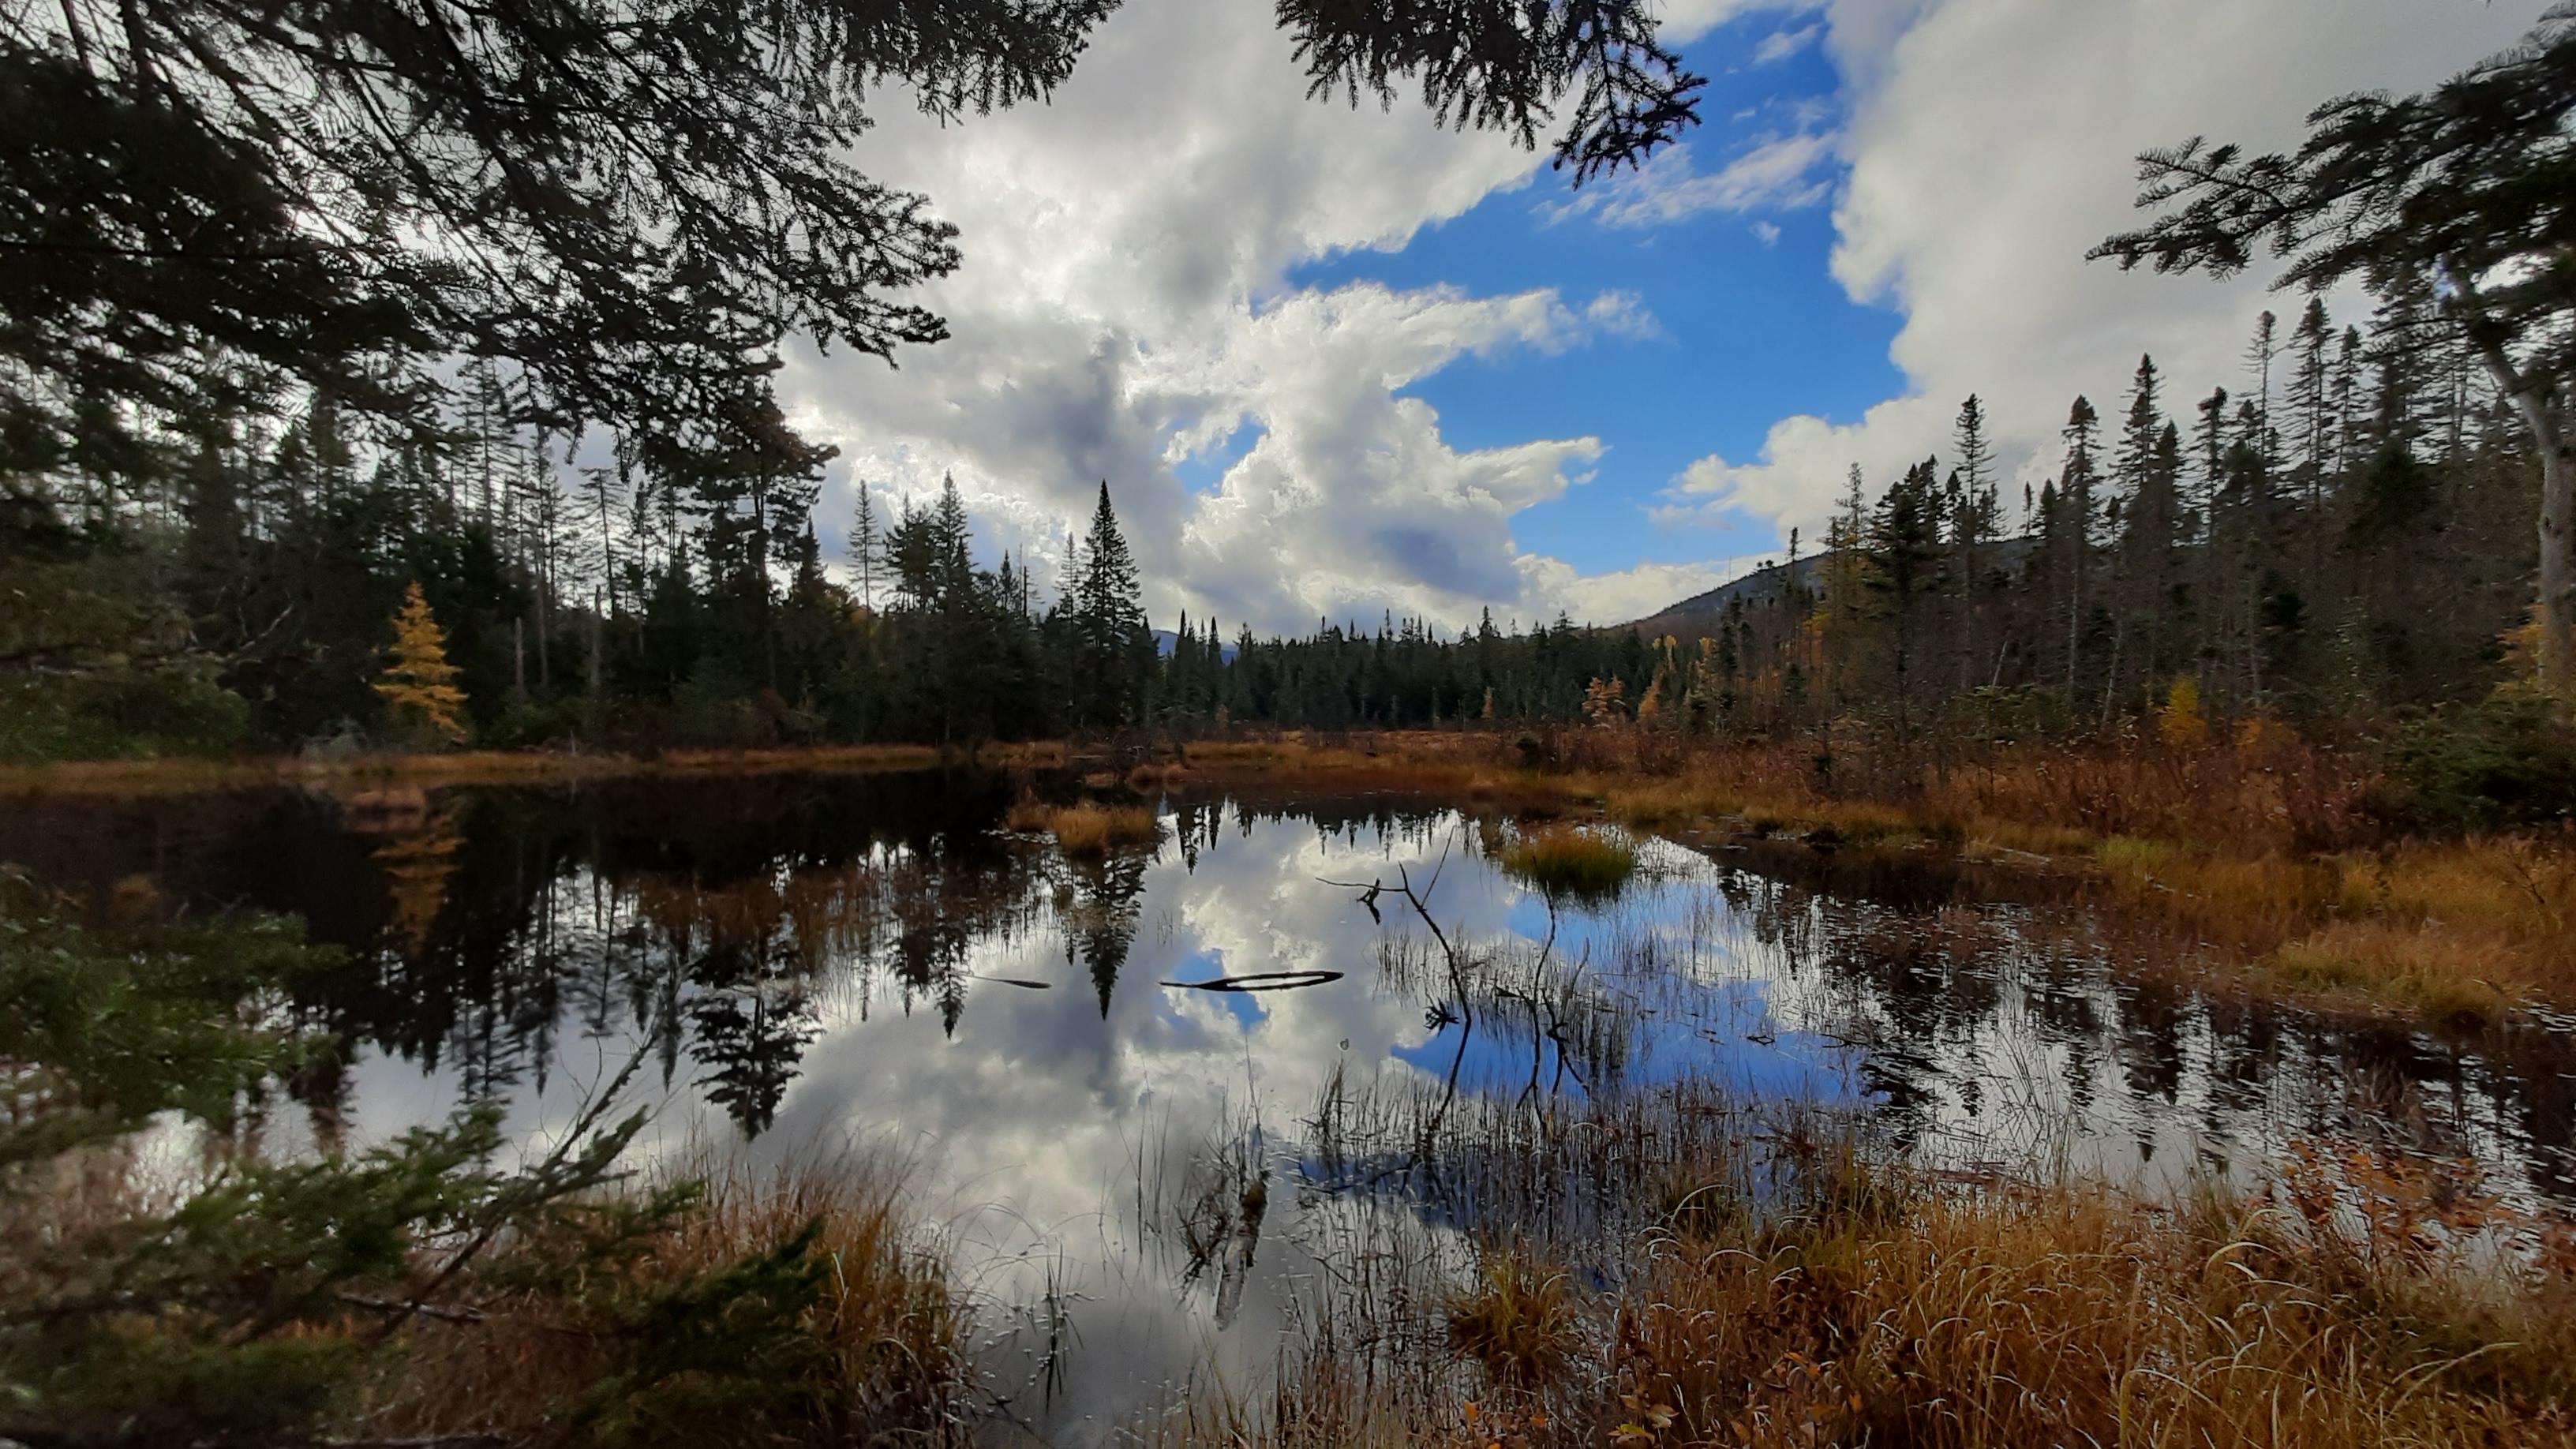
x=2179 y=722
x=1605 y=701
x=418 y=684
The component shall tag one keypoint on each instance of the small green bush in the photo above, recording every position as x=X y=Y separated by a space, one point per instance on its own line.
x=117 y=714
x=2507 y=760
x=530 y=724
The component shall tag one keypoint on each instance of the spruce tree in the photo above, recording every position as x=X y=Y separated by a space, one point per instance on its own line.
x=2075 y=501
x=2311 y=400
x=955 y=665
x=2153 y=529
x=1109 y=613
x=1846 y=577
x=264 y=203
x=2144 y=472
x=2138 y=431
x=2260 y=351
x=1905 y=544
x=1973 y=521
x=867 y=547
x=2463 y=190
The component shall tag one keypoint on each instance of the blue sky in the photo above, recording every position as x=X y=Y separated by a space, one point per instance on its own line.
x=1335 y=361
x=1752 y=326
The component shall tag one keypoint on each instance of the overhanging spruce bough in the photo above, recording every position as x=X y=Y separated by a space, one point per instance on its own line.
x=2464 y=194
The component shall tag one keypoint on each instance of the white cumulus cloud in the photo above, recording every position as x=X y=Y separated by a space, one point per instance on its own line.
x=1127 y=310
x=1123 y=312
x=1988 y=144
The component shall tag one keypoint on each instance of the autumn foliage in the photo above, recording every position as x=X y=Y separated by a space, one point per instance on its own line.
x=418 y=685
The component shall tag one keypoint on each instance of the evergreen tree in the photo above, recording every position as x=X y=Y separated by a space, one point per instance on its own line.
x=2311 y=399
x=2462 y=189
x=1974 y=517
x=2147 y=472
x=2260 y=352
x=1905 y=542
x=1109 y=614
x=1846 y=579
x=867 y=547
x=2078 y=509
x=676 y=188
x=2153 y=531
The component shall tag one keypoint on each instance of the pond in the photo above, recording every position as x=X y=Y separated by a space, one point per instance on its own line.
x=1152 y=1187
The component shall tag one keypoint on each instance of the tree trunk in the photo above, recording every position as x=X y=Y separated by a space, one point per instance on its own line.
x=2557 y=601
x=2535 y=401
x=2075 y=614
x=2554 y=607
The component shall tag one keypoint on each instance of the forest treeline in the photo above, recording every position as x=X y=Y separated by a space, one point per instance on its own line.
x=2339 y=539
x=363 y=507
x=304 y=305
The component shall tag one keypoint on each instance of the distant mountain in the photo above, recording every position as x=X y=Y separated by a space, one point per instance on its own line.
x=1165 y=641
x=1690 y=618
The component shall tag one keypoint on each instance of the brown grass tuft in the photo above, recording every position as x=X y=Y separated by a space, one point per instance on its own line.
x=886 y=1355
x=1091 y=831
x=2037 y=1316
x=1028 y=813
x=1149 y=777
x=1519 y=1321
x=2361 y=1299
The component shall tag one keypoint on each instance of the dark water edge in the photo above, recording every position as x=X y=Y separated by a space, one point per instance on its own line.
x=1145 y=1181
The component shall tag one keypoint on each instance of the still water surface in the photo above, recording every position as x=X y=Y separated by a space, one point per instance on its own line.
x=1152 y=1186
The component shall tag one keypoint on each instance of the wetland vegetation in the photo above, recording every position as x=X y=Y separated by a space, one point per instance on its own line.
x=861 y=1105
x=520 y=927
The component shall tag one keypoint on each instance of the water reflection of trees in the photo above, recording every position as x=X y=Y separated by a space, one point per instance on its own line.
x=727 y=924
x=1097 y=903
x=726 y=932
x=1959 y=979
x=722 y=934
x=715 y=923
x=728 y=980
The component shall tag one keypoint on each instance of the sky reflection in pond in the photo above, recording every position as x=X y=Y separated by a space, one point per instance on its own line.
x=807 y=962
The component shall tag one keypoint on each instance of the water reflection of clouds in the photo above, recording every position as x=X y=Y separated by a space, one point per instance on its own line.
x=1035 y=1119
x=1782 y=1067
x=1055 y=1133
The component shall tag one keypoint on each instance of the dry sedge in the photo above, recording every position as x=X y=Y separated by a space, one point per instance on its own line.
x=2069 y=1317
x=880 y=1357
x=2257 y=858
x=1028 y=813
x=1518 y=1321
x=1092 y=831
x=1149 y=777
x=2433 y=969
x=2353 y=1303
